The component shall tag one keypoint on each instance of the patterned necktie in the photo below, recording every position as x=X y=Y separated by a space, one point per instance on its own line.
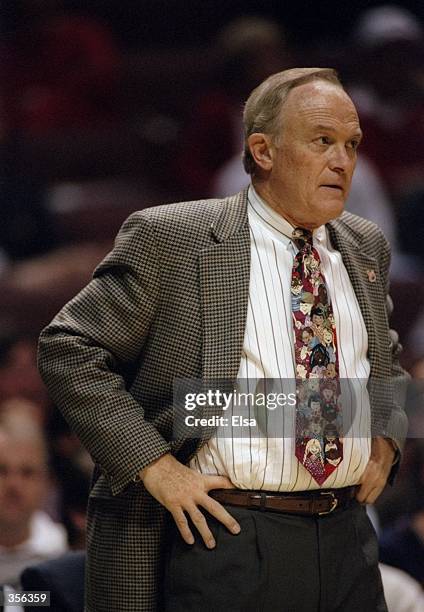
x=318 y=407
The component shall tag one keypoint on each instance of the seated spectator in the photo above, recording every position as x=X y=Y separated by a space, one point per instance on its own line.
x=27 y=534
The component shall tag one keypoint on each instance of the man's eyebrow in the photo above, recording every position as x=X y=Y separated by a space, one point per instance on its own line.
x=322 y=127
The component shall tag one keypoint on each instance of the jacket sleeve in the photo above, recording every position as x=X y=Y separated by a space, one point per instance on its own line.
x=83 y=349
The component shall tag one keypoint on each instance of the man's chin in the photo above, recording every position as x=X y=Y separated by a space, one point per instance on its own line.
x=331 y=210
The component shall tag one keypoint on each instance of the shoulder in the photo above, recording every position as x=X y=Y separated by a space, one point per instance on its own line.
x=189 y=222
x=196 y=212
x=185 y=214
x=168 y=231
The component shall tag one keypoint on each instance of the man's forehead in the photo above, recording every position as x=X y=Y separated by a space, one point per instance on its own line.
x=321 y=103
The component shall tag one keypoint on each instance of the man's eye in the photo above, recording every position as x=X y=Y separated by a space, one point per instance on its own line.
x=324 y=140
x=353 y=144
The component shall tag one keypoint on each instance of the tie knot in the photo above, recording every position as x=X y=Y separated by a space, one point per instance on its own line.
x=302 y=237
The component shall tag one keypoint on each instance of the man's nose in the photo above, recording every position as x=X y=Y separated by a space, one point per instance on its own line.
x=340 y=160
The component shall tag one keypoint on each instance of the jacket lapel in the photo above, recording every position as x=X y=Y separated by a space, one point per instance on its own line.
x=363 y=270
x=224 y=269
x=224 y=276
x=224 y=284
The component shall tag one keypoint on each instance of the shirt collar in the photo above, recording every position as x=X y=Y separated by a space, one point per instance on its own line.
x=267 y=216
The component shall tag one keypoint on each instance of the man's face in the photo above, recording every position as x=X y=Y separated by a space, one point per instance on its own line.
x=314 y=155
x=22 y=481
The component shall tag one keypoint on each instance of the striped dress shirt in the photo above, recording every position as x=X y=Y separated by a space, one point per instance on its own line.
x=265 y=462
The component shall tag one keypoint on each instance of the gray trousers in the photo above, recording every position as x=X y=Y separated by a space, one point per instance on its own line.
x=278 y=563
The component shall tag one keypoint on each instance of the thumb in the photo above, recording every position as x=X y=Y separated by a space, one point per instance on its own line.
x=218 y=482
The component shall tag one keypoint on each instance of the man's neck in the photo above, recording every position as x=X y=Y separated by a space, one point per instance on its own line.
x=264 y=192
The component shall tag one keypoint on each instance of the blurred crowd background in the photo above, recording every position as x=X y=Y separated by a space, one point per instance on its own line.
x=107 y=108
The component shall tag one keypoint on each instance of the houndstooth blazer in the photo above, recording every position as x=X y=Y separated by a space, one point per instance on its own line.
x=170 y=301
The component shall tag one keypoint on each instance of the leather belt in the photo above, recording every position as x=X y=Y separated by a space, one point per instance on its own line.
x=307 y=503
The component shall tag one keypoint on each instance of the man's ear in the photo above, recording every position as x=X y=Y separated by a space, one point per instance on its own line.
x=260 y=149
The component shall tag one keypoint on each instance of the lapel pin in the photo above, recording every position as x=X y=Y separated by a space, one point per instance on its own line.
x=372 y=276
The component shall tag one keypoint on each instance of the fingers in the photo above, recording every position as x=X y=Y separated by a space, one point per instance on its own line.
x=220 y=513
x=182 y=525
x=215 y=508
x=181 y=490
x=199 y=521
x=201 y=525
x=364 y=489
x=217 y=482
x=372 y=482
x=368 y=495
x=362 y=494
x=372 y=496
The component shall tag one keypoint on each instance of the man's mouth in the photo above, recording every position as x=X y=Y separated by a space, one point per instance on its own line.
x=338 y=187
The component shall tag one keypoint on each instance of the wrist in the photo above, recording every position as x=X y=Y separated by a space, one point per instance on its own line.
x=147 y=470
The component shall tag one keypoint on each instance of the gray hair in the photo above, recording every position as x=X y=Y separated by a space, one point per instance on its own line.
x=262 y=109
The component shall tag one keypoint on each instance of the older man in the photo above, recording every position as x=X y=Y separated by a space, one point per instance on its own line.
x=213 y=290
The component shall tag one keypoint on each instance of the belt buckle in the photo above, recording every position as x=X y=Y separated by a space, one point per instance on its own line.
x=254 y=496
x=334 y=502
x=262 y=500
